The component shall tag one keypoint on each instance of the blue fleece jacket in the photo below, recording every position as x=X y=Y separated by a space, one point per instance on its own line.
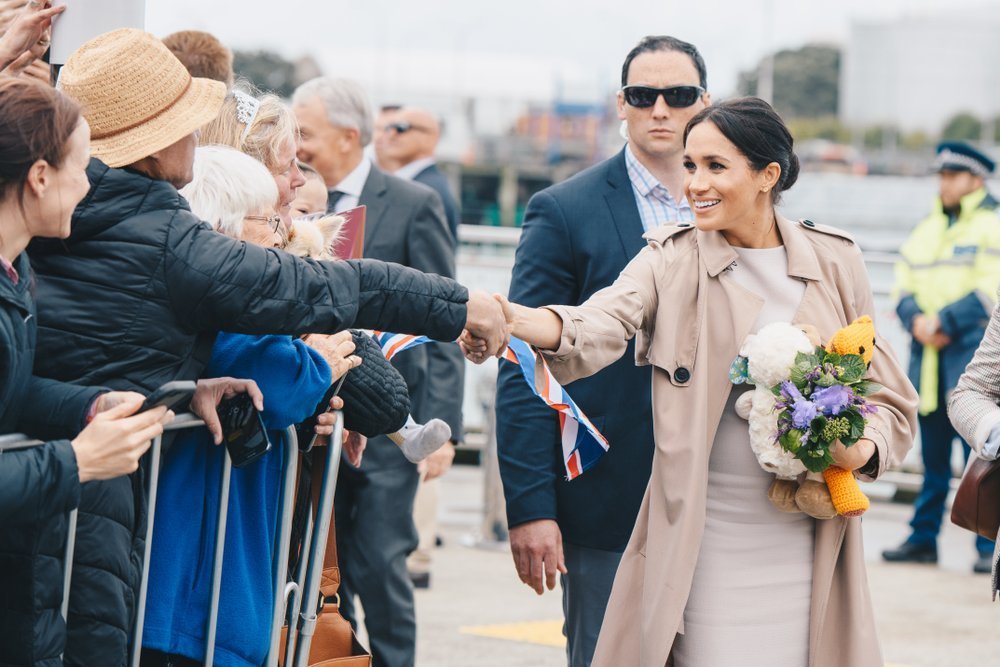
x=293 y=379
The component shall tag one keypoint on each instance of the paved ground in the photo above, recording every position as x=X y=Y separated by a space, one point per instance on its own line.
x=928 y=616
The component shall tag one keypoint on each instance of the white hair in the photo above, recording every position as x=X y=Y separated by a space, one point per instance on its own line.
x=227 y=186
x=345 y=102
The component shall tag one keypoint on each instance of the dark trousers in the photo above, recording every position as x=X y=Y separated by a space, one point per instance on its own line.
x=586 y=589
x=375 y=534
x=150 y=658
x=936 y=438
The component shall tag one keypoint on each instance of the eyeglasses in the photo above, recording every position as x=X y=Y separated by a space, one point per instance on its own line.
x=676 y=97
x=273 y=221
x=404 y=127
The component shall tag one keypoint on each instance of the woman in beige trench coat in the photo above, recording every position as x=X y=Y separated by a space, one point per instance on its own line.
x=690 y=318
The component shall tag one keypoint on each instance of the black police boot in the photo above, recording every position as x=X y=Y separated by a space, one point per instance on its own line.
x=908 y=552
x=983 y=564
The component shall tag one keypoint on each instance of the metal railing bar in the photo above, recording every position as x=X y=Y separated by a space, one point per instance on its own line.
x=295 y=603
x=219 y=558
x=140 y=616
x=283 y=543
x=317 y=549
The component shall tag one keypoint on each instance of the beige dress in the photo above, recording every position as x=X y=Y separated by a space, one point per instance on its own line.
x=749 y=600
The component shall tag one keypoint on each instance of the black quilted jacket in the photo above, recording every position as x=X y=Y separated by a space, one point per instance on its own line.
x=37 y=486
x=134 y=299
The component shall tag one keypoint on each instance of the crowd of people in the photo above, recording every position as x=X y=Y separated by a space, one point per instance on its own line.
x=161 y=220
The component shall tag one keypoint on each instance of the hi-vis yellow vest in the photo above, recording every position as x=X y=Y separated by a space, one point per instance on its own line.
x=943 y=263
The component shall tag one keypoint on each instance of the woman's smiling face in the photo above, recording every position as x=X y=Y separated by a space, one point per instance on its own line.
x=725 y=192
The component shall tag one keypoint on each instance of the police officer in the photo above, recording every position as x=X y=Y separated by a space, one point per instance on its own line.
x=946 y=282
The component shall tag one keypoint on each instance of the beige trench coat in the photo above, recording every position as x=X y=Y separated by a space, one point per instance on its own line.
x=690 y=318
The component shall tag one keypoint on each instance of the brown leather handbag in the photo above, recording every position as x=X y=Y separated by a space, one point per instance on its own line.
x=977 y=502
x=334 y=643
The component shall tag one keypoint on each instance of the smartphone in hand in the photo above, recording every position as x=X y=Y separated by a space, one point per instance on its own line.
x=173 y=395
x=243 y=430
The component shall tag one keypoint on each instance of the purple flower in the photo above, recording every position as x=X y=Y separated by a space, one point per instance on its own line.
x=831 y=400
x=803 y=412
x=789 y=389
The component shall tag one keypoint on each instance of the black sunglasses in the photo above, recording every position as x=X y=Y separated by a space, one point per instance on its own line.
x=677 y=97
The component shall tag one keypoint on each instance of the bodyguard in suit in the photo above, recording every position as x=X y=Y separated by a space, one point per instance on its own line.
x=374 y=503
x=406 y=148
x=578 y=236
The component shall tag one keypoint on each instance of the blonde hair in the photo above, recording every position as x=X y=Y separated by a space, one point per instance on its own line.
x=228 y=186
x=272 y=126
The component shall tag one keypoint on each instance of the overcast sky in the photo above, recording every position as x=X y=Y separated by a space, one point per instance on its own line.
x=524 y=49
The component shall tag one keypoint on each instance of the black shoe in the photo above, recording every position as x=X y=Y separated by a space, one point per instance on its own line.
x=420 y=579
x=908 y=552
x=983 y=564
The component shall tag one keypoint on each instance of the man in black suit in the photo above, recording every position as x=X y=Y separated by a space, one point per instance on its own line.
x=578 y=236
x=406 y=148
x=374 y=503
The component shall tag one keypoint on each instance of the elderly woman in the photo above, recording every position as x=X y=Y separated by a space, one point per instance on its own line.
x=138 y=292
x=43 y=157
x=714 y=574
x=238 y=195
x=263 y=127
x=974 y=407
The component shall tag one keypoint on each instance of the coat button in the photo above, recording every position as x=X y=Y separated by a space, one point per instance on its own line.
x=682 y=374
x=808 y=223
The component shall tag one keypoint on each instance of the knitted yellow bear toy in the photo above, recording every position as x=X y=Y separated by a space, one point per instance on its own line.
x=856 y=338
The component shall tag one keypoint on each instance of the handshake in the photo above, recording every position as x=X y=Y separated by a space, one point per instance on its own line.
x=488 y=326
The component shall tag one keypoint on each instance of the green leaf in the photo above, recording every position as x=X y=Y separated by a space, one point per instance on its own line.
x=810 y=359
x=832 y=358
x=827 y=380
x=798 y=374
x=791 y=441
x=857 y=425
x=815 y=460
x=853 y=368
x=865 y=387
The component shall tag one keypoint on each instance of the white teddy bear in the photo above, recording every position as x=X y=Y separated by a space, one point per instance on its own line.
x=770 y=355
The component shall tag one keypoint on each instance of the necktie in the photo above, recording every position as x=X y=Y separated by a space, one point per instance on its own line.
x=332 y=198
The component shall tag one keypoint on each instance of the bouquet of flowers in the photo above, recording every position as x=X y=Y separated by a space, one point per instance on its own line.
x=823 y=401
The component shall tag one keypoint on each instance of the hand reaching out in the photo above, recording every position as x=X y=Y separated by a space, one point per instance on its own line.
x=338 y=351
x=29 y=36
x=486 y=331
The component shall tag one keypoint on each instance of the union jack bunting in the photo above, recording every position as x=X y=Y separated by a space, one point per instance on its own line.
x=393 y=343
x=582 y=447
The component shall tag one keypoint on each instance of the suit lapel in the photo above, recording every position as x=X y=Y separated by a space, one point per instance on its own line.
x=621 y=204
x=373 y=197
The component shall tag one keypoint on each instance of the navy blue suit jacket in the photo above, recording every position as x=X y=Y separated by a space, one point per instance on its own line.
x=578 y=236
x=435 y=179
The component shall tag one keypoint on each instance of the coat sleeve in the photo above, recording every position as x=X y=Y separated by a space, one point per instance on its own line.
x=893 y=427
x=527 y=429
x=217 y=283
x=55 y=409
x=974 y=406
x=431 y=249
x=292 y=376
x=597 y=332
x=38 y=482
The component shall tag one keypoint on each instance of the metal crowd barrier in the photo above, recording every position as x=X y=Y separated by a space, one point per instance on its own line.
x=301 y=595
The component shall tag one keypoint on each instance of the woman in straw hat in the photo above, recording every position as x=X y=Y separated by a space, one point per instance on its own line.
x=43 y=157
x=135 y=296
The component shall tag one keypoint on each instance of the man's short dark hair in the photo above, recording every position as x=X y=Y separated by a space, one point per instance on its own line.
x=654 y=43
x=202 y=54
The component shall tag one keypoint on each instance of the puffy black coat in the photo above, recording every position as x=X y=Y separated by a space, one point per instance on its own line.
x=134 y=299
x=38 y=486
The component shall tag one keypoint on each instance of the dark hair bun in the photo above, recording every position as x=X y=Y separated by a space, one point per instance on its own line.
x=791 y=175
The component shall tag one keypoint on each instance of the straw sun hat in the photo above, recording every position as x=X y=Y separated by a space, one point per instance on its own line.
x=137 y=97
